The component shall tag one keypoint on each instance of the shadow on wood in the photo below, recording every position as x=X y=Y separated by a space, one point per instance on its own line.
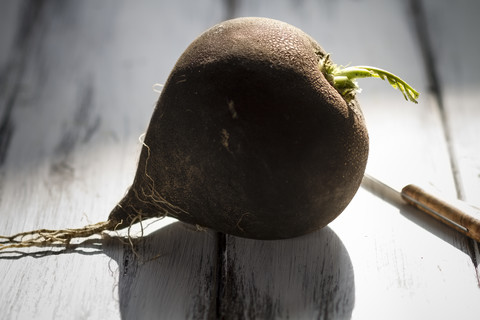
x=309 y=277
x=176 y=272
x=170 y=275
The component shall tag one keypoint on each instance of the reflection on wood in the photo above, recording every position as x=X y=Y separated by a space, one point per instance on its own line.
x=309 y=277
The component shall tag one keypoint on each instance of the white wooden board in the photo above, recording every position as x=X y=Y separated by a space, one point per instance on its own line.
x=456 y=46
x=76 y=93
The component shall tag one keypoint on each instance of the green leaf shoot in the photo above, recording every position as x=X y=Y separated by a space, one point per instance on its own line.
x=344 y=79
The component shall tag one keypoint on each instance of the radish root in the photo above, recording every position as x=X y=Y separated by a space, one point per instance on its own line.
x=45 y=237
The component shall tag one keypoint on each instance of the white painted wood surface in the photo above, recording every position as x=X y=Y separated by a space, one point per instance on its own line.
x=76 y=93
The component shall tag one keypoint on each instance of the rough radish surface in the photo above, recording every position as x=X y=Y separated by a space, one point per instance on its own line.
x=249 y=138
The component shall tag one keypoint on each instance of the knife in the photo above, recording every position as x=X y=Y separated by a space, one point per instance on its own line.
x=457 y=214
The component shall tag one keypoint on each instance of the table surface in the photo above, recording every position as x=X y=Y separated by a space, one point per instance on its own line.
x=77 y=91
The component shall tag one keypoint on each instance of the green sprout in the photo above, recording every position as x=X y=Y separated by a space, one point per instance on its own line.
x=343 y=79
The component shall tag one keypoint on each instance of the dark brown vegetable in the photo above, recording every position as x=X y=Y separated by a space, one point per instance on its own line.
x=249 y=138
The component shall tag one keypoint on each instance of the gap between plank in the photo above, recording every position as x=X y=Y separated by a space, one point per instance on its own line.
x=230 y=8
x=424 y=40
x=221 y=276
x=29 y=23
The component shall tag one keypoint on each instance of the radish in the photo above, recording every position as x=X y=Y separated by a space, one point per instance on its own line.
x=256 y=133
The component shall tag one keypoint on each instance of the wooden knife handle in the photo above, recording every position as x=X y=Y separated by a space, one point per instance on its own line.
x=465 y=221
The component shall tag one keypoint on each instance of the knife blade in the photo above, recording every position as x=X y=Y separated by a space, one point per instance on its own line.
x=456 y=214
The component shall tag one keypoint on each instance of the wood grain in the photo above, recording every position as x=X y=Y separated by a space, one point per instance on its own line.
x=76 y=93
x=457 y=64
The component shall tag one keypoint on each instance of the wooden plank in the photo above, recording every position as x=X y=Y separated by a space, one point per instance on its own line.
x=82 y=97
x=456 y=48
x=14 y=34
x=9 y=18
x=307 y=277
x=399 y=264
x=79 y=98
